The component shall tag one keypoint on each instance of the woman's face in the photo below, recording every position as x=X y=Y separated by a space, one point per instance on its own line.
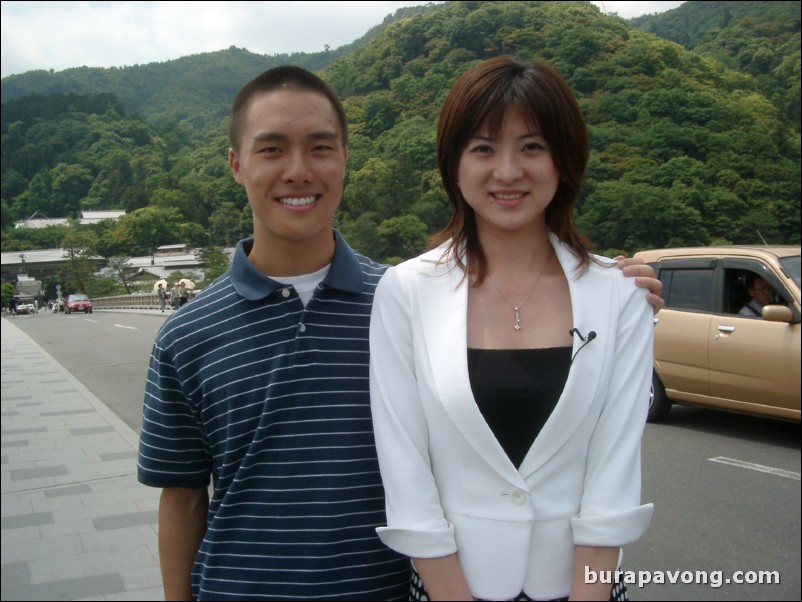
x=509 y=179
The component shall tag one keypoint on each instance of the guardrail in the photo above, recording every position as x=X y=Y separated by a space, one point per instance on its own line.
x=140 y=301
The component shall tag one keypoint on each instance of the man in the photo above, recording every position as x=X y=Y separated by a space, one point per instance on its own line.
x=761 y=293
x=261 y=384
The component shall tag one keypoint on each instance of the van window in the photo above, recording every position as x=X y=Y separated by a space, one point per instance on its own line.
x=688 y=288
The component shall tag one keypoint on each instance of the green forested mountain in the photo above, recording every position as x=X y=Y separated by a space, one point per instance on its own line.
x=758 y=38
x=693 y=141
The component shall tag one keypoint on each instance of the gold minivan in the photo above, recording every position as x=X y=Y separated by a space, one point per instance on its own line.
x=705 y=352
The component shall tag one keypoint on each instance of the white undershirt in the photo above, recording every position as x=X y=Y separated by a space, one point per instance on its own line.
x=306 y=284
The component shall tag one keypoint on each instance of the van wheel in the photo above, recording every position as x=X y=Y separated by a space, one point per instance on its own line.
x=659 y=404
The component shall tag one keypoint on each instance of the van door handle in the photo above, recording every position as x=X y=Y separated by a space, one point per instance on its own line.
x=727 y=329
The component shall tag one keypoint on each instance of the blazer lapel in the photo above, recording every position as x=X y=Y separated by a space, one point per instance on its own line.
x=589 y=313
x=444 y=305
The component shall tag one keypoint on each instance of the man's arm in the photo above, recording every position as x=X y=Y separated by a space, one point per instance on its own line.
x=182 y=525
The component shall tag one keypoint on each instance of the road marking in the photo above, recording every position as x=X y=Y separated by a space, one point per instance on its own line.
x=128 y=327
x=758 y=467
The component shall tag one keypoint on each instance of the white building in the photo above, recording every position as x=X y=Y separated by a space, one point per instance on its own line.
x=39 y=220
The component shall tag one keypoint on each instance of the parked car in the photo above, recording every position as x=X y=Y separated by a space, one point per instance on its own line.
x=706 y=354
x=24 y=308
x=77 y=302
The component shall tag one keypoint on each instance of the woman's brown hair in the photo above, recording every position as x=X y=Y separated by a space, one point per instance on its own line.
x=483 y=95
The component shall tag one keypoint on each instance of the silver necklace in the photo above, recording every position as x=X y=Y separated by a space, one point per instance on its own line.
x=517 y=308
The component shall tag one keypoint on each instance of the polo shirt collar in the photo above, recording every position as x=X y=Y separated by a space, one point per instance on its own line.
x=345 y=273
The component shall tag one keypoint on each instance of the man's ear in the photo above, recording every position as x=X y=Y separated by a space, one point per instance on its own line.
x=233 y=162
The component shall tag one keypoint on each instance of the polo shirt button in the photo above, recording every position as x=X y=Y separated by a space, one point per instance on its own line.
x=285 y=293
x=517 y=497
x=302 y=327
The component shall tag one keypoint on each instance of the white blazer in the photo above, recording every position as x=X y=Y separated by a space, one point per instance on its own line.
x=449 y=485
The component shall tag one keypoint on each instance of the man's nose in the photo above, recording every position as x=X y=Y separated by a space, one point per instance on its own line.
x=297 y=169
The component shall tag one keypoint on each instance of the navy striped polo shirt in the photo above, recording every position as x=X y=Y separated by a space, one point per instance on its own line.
x=270 y=400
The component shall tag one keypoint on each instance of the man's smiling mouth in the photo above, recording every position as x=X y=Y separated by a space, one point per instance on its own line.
x=297 y=201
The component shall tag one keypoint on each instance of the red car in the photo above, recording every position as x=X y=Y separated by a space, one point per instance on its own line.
x=77 y=302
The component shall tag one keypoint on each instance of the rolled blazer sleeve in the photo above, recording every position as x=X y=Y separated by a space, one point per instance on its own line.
x=611 y=513
x=420 y=528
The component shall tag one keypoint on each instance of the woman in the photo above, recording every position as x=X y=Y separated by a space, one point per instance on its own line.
x=510 y=368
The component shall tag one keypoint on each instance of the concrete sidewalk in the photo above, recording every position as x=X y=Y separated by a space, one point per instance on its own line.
x=76 y=524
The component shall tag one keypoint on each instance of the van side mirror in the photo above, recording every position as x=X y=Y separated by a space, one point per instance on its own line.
x=777 y=313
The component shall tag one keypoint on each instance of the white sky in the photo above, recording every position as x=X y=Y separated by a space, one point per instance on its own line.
x=60 y=35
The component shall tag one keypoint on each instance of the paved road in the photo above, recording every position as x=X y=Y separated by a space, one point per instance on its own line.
x=107 y=351
x=740 y=512
x=726 y=487
x=76 y=524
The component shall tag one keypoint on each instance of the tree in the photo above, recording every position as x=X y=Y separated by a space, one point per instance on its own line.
x=193 y=234
x=37 y=197
x=8 y=291
x=146 y=229
x=361 y=232
x=246 y=222
x=6 y=217
x=402 y=237
x=122 y=271
x=178 y=200
x=224 y=225
x=613 y=217
x=71 y=183
x=215 y=263
x=380 y=113
x=371 y=189
x=432 y=206
x=81 y=263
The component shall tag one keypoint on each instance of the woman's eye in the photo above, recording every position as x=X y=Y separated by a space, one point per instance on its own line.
x=534 y=146
x=481 y=148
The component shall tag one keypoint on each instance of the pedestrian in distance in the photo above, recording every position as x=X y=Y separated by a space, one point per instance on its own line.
x=510 y=367
x=183 y=293
x=260 y=385
x=161 y=292
x=175 y=296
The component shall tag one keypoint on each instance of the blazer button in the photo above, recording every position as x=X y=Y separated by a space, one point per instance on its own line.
x=518 y=497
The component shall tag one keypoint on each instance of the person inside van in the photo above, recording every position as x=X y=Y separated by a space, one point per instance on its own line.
x=761 y=293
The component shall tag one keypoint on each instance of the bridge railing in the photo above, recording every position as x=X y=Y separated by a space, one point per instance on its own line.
x=138 y=301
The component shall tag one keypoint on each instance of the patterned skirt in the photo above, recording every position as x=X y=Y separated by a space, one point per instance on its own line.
x=417 y=592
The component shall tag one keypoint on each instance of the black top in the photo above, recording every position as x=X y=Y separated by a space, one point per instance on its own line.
x=516 y=391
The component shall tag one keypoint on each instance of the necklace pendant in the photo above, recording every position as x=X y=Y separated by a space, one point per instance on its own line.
x=517 y=319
